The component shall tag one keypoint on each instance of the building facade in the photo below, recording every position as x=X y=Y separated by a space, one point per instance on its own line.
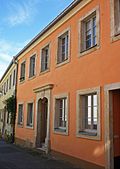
x=7 y=90
x=68 y=87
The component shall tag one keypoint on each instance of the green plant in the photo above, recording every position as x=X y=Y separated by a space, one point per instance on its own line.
x=8 y=138
x=0 y=135
x=11 y=108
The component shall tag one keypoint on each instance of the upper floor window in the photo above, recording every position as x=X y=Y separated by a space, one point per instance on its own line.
x=89 y=31
x=22 y=71
x=45 y=58
x=10 y=81
x=117 y=16
x=32 y=66
x=4 y=88
x=14 y=77
x=7 y=86
x=63 y=47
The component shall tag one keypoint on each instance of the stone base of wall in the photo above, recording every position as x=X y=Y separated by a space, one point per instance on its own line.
x=24 y=143
x=75 y=161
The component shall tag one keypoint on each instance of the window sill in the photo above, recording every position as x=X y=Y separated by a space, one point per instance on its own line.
x=44 y=72
x=21 y=81
x=115 y=37
x=31 y=78
x=60 y=131
x=20 y=125
x=29 y=127
x=88 y=135
x=63 y=63
x=90 y=50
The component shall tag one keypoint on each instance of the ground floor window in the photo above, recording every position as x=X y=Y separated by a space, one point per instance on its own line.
x=1 y=115
x=20 y=114
x=88 y=113
x=61 y=113
x=30 y=114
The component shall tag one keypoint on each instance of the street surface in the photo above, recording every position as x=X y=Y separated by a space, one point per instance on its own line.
x=13 y=157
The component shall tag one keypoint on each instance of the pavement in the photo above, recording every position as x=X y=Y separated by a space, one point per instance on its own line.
x=14 y=157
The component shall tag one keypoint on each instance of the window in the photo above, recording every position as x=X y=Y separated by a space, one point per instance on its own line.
x=61 y=111
x=30 y=115
x=14 y=78
x=1 y=115
x=4 y=88
x=20 y=114
x=88 y=113
x=32 y=66
x=117 y=16
x=63 y=47
x=22 y=72
x=8 y=117
x=89 y=31
x=45 y=59
x=7 y=86
x=10 y=80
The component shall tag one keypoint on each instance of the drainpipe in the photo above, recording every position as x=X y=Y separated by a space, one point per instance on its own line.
x=15 y=61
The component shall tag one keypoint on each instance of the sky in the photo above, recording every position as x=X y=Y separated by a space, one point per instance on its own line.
x=22 y=20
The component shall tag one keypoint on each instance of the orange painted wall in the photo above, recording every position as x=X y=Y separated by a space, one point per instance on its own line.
x=97 y=68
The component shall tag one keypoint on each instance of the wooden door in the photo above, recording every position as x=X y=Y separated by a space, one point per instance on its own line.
x=116 y=122
x=43 y=130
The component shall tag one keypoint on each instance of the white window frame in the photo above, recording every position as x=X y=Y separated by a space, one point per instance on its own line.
x=57 y=54
x=10 y=81
x=4 y=88
x=31 y=124
x=90 y=134
x=82 y=21
x=56 y=128
x=14 y=77
x=21 y=123
x=7 y=85
x=41 y=55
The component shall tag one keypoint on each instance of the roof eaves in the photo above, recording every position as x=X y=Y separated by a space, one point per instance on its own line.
x=51 y=24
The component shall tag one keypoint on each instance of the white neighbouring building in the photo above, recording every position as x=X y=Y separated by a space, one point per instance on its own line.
x=7 y=89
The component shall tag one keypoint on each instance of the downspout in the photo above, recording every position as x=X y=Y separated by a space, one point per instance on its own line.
x=15 y=61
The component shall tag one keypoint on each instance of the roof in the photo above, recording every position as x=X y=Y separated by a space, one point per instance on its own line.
x=51 y=24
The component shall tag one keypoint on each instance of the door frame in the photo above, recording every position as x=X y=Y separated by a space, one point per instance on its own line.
x=41 y=92
x=108 y=116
